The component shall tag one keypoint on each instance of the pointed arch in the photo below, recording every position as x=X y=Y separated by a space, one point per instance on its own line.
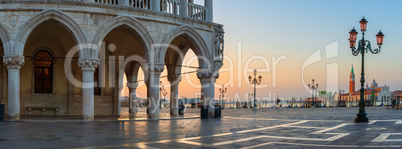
x=200 y=48
x=45 y=15
x=5 y=38
x=143 y=35
x=132 y=71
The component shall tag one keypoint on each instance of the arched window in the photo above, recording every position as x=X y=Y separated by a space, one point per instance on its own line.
x=43 y=72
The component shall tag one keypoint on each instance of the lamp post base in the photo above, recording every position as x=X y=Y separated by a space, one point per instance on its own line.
x=254 y=108
x=361 y=118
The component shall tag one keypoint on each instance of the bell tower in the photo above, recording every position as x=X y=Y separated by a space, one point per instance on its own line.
x=352 y=81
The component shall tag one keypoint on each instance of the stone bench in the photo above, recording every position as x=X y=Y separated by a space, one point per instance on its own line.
x=43 y=109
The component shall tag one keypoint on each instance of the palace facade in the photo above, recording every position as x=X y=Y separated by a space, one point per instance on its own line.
x=67 y=57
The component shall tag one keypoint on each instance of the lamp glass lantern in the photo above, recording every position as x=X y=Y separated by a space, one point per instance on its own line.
x=353 y=35
x=363 y=24
x=380 y=38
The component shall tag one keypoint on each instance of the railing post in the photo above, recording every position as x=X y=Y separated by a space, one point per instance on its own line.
x=209 y=14
x=156 y=5
x=124 y=2
x=183 y=8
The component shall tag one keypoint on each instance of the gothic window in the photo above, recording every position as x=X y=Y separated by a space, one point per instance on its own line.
x=43 y=72
x=97 y=89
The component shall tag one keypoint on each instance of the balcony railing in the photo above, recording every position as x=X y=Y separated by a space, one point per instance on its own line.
x=171 y=6
x=196 y=11
x=145 y=4
x=168 y=6
x=113 y=2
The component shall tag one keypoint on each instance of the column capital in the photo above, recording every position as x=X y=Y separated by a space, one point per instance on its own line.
x=13 y=62
x=156 y=69
x=206 y=74
x=132 y=85
x=88 y=64
x=174 y=78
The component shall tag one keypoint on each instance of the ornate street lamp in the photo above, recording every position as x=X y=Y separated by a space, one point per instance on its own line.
x=255 y=82
x=162 y=92
x=363 y=47
x=314 y=88
x=222 y=91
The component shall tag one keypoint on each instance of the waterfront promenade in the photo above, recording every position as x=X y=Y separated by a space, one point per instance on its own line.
x=238 y=128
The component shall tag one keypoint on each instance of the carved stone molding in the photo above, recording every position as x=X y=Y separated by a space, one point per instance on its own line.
x=218 y=64
x=132 y=85
x=174 y=78
x=13 y=62
x=219 y=41
x=88 y=64
x=206 y=74
x=156 y=69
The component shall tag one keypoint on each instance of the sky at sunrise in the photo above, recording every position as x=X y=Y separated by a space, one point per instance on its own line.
x=291 y=42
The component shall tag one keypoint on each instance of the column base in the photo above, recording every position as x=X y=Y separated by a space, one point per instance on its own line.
x=174 y=111
x=132 y=110
x=131 y=116
x=153 y=116
x=204 y=112
x=13 y=117
x=211 y=111
x=88 y=117
x=361 y=118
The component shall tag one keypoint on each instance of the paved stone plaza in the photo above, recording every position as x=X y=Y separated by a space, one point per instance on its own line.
x=239 y=128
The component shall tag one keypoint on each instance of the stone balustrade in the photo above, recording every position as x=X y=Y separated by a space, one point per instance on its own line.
x=176 y=7
x=196 y=11
x=171 y=6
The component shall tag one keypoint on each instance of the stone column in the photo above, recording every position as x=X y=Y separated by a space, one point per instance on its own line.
x=13 y=64
x=209 y=15
x=132 y=87
x=154 y=73
x=207 y=80
x=88 y=68
x=119 y=99
x=183 y=8
x=174 y=94
x=156 y=5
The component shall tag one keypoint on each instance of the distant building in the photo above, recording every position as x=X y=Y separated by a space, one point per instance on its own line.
x=379 y=92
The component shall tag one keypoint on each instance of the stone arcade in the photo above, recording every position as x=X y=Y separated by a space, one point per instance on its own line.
x=69 y=55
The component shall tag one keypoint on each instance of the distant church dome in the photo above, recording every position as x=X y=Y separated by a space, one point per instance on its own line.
x=374 y=84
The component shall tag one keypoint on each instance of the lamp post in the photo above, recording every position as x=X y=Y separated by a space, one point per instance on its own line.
x=363 y=47
x=255 y=82
x=162 y=92
x=313 y=88
x=222 y=91
x=251 y=95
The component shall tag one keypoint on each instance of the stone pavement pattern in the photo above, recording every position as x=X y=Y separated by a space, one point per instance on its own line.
x=239 y=128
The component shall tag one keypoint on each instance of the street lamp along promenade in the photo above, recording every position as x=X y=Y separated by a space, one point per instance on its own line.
x=255 y=83
x=363 y=47
x=222 y=91
x=314 y=88
x=163 y=93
